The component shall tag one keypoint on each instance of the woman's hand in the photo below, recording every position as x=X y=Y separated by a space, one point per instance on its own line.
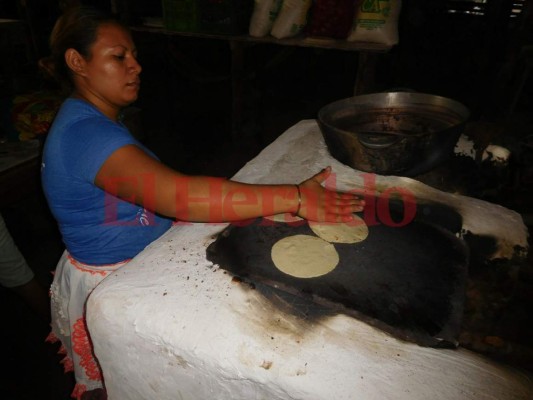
x=321 y=204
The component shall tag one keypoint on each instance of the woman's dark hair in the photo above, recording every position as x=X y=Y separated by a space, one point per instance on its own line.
x=75 y=29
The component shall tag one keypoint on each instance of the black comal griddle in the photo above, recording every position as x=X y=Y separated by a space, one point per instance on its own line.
x=409 y=281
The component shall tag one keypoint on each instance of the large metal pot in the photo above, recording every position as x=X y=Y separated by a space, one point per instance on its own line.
x=394 y=133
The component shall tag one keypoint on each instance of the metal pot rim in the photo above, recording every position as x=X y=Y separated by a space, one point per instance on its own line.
x=388 y=100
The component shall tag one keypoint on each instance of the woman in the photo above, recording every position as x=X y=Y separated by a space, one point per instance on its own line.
x=112 y=197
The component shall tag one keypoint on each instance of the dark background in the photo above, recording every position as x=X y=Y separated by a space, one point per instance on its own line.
x=480 y=57
x=445 y=48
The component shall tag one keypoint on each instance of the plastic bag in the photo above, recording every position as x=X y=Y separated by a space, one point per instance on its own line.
x=376 y=21
x=263 y=16
x=332 y=18
x=292 y=18
x=33 y=113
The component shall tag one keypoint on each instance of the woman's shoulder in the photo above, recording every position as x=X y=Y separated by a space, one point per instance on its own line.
x=73 y=110
x=79 y=117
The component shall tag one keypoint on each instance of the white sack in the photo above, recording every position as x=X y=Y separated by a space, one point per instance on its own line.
x=376 y=21
x=263 y=16
x=291 y=19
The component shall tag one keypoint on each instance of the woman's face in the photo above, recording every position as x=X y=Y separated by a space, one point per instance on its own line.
x=111 y=72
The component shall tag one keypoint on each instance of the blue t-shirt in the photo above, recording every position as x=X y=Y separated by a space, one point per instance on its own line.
x=97 y=228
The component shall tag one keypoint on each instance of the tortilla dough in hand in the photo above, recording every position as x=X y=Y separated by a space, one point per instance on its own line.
x=285 y=217
x=352 y=232
x=304 y=256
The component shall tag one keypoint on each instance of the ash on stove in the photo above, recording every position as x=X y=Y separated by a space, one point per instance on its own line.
x=497 y=319
x=491 y=167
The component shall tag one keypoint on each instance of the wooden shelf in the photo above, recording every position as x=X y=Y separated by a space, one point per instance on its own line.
x=299 y=41
x=364 y=75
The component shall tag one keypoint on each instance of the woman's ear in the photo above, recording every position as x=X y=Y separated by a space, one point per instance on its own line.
x=75 y=61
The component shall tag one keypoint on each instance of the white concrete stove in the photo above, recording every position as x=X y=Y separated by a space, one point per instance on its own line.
x=170 y=325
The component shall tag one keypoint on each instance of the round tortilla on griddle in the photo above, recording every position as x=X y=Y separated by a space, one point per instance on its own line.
x=304 y=256
x=351 y=232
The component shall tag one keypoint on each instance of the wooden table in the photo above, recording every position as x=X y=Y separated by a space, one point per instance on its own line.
x=19 y=172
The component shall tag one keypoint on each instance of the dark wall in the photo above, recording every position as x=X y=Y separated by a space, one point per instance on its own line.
x=467 y=57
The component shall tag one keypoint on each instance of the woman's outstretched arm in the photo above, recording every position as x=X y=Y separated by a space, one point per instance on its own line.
x=131 y=174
